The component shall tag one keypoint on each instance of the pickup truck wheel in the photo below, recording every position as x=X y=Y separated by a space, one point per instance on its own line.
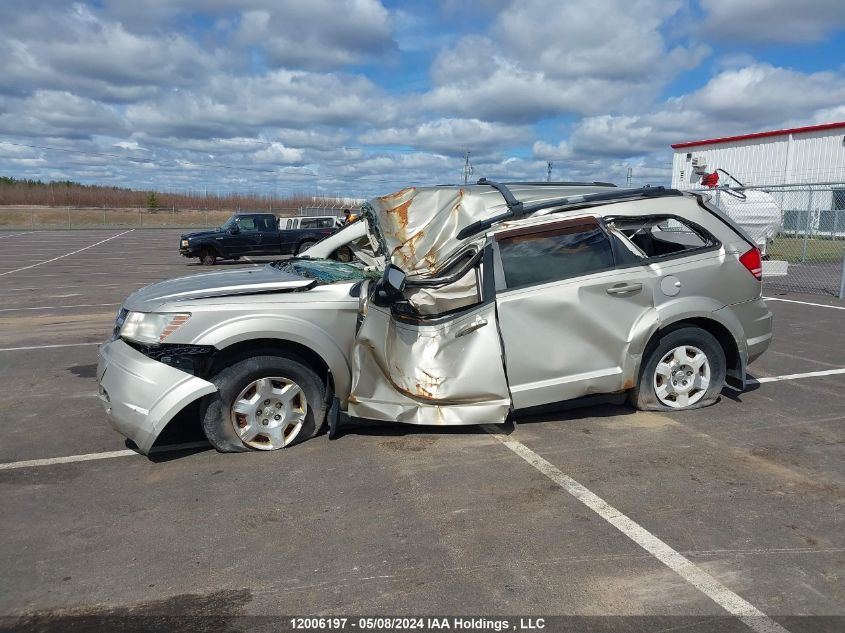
x=685 y=369
x=208 y=258
x=304 y=246
x=264 y=403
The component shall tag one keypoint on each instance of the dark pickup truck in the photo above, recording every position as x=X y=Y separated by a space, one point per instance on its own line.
x=246 y=234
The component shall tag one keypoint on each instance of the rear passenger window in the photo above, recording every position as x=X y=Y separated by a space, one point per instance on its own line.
x=316 y=223
x=661 y=236
x=553 y=254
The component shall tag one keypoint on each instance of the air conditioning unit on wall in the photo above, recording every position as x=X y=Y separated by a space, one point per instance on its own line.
x=699 y=165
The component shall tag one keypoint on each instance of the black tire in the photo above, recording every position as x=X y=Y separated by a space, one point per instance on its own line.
x=215 y=410
x=208 y=257
x=343 y=254
x=644 y=397
x=305 y=245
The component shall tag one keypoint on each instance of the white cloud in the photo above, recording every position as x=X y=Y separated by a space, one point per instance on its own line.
x=74 y=49
x=230 y=105
x=451 y=136
x=56 y=113
x=750 y=99
x=772 y=20
x=317 y=34
x=544 y=58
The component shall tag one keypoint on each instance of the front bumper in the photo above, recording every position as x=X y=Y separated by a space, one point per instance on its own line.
x=141 y=395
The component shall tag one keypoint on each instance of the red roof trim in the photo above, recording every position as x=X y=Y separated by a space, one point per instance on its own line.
x=745 y=137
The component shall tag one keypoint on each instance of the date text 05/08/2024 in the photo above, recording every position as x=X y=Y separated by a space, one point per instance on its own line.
x=415 y=624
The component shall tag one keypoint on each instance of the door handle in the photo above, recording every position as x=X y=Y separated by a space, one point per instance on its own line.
x=472 y=327
x=624 y=289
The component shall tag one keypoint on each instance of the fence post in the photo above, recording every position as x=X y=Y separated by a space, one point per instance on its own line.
x=807 y=227
x=104 y=216
x=68 y=217
x=140 y=217
x=32 y=218
x=842 y=277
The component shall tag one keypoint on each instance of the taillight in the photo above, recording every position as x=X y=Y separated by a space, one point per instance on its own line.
x=751 y=260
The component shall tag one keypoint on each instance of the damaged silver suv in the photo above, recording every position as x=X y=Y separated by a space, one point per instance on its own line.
x=464 y=304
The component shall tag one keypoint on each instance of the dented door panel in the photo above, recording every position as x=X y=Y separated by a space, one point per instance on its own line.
x=447 y=372
x=573 y=338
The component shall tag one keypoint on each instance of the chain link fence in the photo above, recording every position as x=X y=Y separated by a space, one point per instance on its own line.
x=805 y=248
x=47 y=218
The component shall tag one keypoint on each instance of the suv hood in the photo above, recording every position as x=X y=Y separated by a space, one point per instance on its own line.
x=227 y=283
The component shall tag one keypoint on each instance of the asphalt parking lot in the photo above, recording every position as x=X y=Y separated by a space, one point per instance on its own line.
x=410 y=521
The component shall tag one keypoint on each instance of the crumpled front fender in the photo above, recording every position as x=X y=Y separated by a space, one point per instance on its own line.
x=141 y=395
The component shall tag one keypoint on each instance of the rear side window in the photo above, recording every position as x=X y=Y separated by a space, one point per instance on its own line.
x=553 y=254
x=316 y=223
x=662 y=236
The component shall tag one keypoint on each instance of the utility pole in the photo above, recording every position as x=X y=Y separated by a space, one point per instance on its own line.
x=630 y=176
x=549 y=171
x=467 y=167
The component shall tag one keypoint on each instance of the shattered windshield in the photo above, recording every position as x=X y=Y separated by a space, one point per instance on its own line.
x=325 y=271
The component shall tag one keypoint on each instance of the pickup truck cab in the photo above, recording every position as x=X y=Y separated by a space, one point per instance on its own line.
x=256 y=234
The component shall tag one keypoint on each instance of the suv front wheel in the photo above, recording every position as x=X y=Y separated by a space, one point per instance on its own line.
x=685 y=369
x=263 y=403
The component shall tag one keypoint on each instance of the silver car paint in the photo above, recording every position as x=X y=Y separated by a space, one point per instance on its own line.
x=217 y=284
x=443 y=373
x=140 y=395
x=437 y=373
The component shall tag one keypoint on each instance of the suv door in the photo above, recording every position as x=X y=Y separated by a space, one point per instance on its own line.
x=572 y=323
x=434 y=357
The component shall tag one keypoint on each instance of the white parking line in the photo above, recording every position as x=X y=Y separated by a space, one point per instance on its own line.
x=697 y=577
x=14 y=234
x=19 y=349
x=806 y=303
x=809 y=374
x=17 y=270
x=92 y=456
x=79 y=305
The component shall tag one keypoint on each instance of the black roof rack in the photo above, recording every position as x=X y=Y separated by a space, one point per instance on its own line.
x=546 y=183
x=517 y=208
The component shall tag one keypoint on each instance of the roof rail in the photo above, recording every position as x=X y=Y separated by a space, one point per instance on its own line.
x=527 y=209
x=514 y=205
x=562 y=183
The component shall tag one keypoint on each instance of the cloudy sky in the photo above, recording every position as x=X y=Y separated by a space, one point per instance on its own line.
x=361 y=97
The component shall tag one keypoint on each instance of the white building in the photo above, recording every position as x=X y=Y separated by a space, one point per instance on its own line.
x=801 y=155
x=788 y=161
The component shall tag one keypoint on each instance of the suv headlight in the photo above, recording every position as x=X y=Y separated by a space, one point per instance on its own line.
x=151 y=327
x=184 y=243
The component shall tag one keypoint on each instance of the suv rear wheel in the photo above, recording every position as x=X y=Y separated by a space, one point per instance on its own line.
x=264 y=403
x=685 y=369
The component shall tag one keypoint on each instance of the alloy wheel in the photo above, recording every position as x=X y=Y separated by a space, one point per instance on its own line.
x=682 y=377
x=269 y=413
